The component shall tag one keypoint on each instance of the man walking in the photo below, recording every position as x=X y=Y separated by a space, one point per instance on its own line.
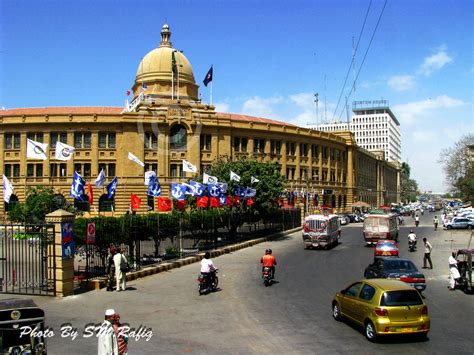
x=108 y=342
x=427 y=255
x=120 y=262
x=453 y=271
x=109 y=269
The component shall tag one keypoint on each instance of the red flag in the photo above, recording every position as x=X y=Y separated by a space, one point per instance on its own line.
x=180 y=204
x=135 y=202
x=230 y=201
x=164 y=204
x=250 y=202
x=90 y=194
x=215 y=202
x=237 y=200
x=202 y=201
x=128 y=92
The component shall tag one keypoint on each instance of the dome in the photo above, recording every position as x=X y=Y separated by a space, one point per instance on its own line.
x=155 y=71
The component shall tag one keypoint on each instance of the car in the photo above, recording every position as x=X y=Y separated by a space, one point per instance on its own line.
x=396 y=268
x=343 y=220
x=386 y=248
x=383 y=307
x=460 y=223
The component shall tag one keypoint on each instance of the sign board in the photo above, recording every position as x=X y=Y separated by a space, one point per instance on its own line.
x=67 y=240
x=90 y=233
x=326 y=191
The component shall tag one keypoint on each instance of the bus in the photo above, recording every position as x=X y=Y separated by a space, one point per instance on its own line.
x=321 y=231
x=380 y=226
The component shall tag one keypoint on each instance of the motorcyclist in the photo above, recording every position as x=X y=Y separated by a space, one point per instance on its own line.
x=208 y=269
x=411 y=238
x=435 y=221
x=268 y=260
x=417 y=220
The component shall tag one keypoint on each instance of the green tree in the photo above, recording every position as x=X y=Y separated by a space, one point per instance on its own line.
x=458 y=165
x=39 y=202
x=408 y=187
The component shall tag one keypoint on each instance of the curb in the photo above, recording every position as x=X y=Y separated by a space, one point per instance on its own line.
x=99 y=283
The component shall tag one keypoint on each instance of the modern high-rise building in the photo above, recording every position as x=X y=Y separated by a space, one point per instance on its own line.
x=375 y=128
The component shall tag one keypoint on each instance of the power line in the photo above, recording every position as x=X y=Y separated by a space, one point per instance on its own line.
x=353 y=56
x=368 y=47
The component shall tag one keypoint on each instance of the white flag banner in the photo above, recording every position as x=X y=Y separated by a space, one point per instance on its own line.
x=209 y=179
x=148 y=176
x=63 y=151
x=253 y=180
x=188 y=167
x=234 y=176
x=7 y=189
x=100 y=180
x=135 y=159
x=36 y=150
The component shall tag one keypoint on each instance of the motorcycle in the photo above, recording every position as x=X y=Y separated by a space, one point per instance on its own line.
x=412 y=245
x=267 y=276
x=207 y=283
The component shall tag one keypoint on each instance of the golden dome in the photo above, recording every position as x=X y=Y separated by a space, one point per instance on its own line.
x=155 y=71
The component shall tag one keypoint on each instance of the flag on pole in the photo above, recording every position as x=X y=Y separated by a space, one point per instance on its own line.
x=208 y=77
x=154 y=187
x=90 y=194
x=177 y=191
x=230 y=201
x=144 y=87
x=111 y=187
x=188 y=167
x=36 y=150
x=128 y=92
x=164 y=204
x=100 y=180
x=77 y=187
x=202 y=202
x=223 y=187
x=7 y=189
x=250 y=192
x=249 y=202
x=234 y=176
x=133 y=158
x=198 y=188
x=213 y=190
x=149 y=175
x=209 y=179
x=215 y=202
x=135 y=201
x=181 y=204
x=223 y=200
x=63 y=151
x=254 y=180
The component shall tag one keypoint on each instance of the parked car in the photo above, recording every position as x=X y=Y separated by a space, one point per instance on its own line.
x=342 y=220
x=395 y=268
x=386 y=248
x=353 y=218
x=460 y=223
x=382 y=307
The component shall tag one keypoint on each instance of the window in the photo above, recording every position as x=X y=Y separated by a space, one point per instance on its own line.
x=236 y=144
x=354 y=290
x=314 y=151
x=401 y=298
x=58 y=169
x=151 y=141
x=58 y=136
x=12 y=141
x=325 y=152
x=205 y=142
x=303 y=149
x=10 y=169
x=258 y=145
x=291 y=148
x=34 y=170
x=275 y=147
x=178 y=139
x=82 y=140
x=106 y=140
x=176 y=170
x=38 y=137
x=30 y=170
x=109 y=168
x=39 y=170
x=243 y=145
x=151 y=167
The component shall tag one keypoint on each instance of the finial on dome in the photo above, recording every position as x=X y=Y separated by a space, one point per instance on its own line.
x=165 y=36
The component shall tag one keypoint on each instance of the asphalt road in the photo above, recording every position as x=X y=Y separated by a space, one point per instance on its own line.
x=291 y=316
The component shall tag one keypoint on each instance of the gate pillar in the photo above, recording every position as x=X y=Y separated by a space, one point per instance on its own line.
x=63 y=262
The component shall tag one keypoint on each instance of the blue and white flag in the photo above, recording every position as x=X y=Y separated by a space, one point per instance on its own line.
x=223 y=187
x=239 y=191
x=177 y=191
x=209 y=179
x=111 y=187
x=154 y=186
x=213 y=190
x=148 y=176
x=198 y=188
x=189 y=189
x=250 y=192
x=77 y=187
x=223 y=199
x=100 y=181
x=7 y=189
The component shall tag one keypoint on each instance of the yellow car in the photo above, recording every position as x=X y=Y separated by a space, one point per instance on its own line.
x=383 y=307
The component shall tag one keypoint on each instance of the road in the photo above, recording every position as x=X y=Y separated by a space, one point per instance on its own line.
x=291 y=316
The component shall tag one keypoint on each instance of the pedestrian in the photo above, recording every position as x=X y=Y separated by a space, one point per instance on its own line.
x=122 y=338
x=108 y=342
x=435 y=221
x=110 y=269
x=120 y=263
x=427 y=255
x=453 y=271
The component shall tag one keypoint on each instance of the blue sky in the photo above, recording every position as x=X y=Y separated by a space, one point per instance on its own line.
x=269 y=58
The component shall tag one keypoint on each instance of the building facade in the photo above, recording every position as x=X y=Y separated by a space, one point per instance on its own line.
x=166 y=123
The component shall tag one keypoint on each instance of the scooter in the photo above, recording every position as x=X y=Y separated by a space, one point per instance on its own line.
x=207 y=283
x=267 y=276
x=412 y=245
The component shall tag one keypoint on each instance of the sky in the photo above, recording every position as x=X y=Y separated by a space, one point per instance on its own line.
x=269 y=59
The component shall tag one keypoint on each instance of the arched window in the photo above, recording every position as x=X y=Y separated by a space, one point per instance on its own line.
x=106 y=204
x=333 y=201
x=178 y=137
x=13 y=202
x=82 y=205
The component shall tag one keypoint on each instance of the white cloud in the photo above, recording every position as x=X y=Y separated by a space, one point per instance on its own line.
x=424 y=136
x=435 y=62
x=402 y=82
x=222 y=107
x=304 y=100
x=409 y=113
x=261 y=107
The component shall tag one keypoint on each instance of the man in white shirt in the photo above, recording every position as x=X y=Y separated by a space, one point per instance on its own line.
x=120 y=261
x=427 y=255
x=208 y=268
x=453 y=271
x=108 y=343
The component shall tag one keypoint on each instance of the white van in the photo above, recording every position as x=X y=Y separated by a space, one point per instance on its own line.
x=321 y=231
x=380 y=226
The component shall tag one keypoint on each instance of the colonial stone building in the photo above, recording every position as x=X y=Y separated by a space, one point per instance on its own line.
x=166 y=123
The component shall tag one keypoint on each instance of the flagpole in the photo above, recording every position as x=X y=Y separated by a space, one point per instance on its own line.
x=172 y=84
x=211 y=92
x=177 y=72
